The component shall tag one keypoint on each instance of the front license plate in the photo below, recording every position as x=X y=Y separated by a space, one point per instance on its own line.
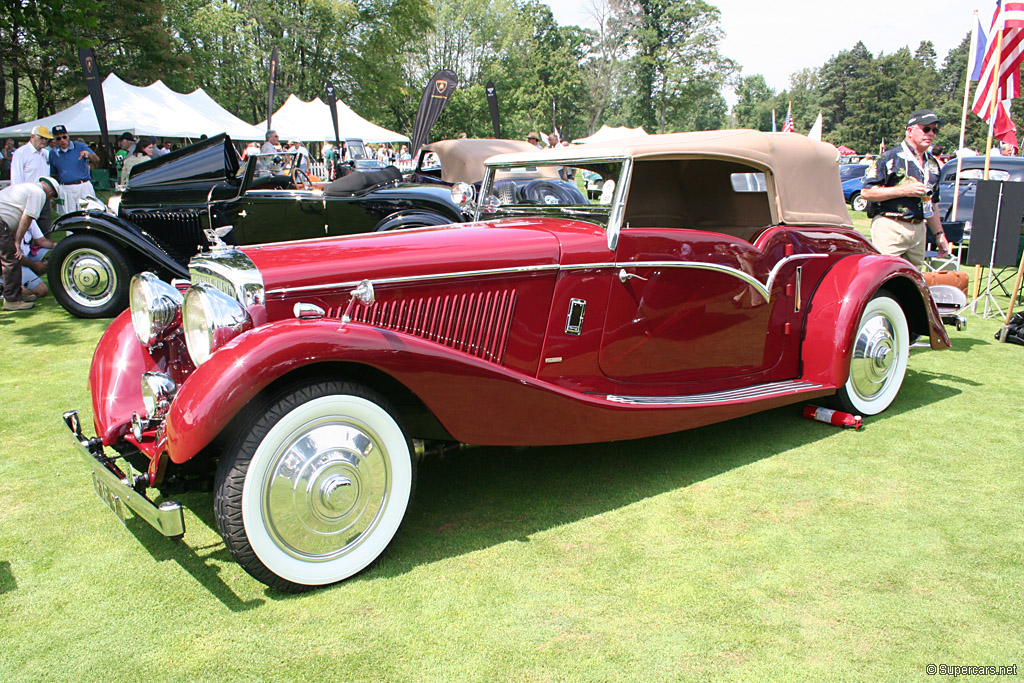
x=109 y=497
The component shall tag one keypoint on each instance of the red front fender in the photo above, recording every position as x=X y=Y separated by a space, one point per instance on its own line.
x=839 y=301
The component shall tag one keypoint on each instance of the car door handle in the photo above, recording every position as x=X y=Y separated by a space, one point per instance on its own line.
x=624 y=276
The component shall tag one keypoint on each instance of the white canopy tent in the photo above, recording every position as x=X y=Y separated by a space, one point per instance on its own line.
x=151 y=110
x=607 y=133
x=311 y=121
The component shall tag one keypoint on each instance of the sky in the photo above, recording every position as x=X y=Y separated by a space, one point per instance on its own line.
x=781 y=38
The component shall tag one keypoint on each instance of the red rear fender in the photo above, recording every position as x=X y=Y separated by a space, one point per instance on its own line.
x=839 y=301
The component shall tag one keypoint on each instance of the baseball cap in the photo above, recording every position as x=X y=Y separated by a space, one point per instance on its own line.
x=127 y=136
x=49 y=181
x=533 y=136
x=923 y=117
x=59 y=130
x=42 y=131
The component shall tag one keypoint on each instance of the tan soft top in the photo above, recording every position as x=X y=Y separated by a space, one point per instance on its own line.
x=462 y=160
x=803 y=174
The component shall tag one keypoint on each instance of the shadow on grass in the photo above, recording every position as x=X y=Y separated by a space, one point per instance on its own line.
x=42 y=330
x=199 y=561
x=480 y=497
x=7 y=581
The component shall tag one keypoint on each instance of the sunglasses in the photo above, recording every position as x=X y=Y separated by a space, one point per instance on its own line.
x=929 y=129
x=61 y=137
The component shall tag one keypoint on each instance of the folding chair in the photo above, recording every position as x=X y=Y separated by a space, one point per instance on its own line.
x=955 y=234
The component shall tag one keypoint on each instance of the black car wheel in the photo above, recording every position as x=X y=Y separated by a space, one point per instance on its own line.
x=316 y=487
x=857 y=202
x=89 y=276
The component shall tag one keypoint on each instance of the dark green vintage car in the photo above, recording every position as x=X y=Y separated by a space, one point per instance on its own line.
x=175 y=205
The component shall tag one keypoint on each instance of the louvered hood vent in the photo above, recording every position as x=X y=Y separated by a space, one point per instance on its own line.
x=477 y=323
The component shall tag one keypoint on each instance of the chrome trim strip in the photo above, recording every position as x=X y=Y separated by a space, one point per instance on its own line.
x=749 y=279
x=744 y=394
x=764 y=289
x=412 y=278
x=167 y=518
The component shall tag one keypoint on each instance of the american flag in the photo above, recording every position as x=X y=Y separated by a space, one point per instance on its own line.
x=787 y=125
x=1008 y=18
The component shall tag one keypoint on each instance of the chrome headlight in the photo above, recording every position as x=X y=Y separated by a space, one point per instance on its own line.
x=463 y=194
x=211 y=319
x=155 y=307
x=158 y=390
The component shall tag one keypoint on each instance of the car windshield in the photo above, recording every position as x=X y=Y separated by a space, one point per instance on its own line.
x=851 y=171
x=976 y=174
x=579 y=189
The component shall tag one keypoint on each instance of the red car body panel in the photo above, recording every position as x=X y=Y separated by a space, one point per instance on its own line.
x=682 y=330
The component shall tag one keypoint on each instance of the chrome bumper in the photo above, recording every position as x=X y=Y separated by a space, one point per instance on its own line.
x=114 y=488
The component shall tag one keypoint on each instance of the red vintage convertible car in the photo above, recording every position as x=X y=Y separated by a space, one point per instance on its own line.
x=723 y=278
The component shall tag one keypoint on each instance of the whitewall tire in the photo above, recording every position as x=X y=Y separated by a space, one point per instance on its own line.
x=316 y=489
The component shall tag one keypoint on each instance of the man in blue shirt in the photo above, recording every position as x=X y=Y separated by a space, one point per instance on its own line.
x=69 y=163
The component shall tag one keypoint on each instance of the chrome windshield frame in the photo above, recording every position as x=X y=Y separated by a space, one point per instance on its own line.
x=618 y=205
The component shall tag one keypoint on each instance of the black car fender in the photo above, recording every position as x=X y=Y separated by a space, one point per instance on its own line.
x=134 y=241
x=409 y=218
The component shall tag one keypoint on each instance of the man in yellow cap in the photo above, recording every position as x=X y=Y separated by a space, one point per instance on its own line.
x=32 y=161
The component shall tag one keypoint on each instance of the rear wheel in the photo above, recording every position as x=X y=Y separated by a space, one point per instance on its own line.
x=89 y=276
x=858 y=203
x=878 y=361
x=316 y=488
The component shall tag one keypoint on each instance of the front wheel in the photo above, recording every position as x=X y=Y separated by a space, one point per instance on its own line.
x=316 y=488
x=858 y=203
x=89 y=276
x=878 y=362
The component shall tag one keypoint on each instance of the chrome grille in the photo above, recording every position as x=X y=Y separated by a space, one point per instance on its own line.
x=477 y=324
x=200 y=278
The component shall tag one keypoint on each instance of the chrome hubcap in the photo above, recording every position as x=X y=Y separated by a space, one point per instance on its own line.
x=874 y=356
x=88 y=277
x=326 y=489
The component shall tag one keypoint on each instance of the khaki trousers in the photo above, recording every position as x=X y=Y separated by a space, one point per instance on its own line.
x=896 y=237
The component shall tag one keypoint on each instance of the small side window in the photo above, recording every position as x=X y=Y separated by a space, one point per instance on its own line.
x=748 y=182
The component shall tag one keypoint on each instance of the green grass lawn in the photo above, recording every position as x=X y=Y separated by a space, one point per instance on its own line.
x=762 y=549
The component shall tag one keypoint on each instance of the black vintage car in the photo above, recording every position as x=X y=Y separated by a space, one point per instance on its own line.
x=174 y=203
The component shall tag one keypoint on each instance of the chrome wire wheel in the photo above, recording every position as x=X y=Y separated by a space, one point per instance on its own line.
x=878 y=360
x=325 y=479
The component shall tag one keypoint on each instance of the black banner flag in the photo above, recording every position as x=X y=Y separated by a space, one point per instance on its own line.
x=91 y=71
x=436 y=95
x=492 y=102
x=332 y=103
x=271 y=86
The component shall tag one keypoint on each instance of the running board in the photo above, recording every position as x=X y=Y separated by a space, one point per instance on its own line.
x=754 y=393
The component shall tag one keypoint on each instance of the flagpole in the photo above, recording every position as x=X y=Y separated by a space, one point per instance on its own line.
x=963 y=118
x=994 y=98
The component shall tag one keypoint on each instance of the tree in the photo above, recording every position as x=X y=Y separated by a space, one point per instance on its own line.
x=753 y=108
x=675 y=58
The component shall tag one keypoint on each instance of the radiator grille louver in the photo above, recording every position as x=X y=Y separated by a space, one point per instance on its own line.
x=477 y=324
x=179 y=232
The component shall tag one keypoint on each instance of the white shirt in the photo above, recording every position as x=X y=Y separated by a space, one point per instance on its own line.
x=33 y=233
x=27 y=164
x=18 y=199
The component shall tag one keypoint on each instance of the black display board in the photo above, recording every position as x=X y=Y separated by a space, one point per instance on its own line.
x=1006 y=198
